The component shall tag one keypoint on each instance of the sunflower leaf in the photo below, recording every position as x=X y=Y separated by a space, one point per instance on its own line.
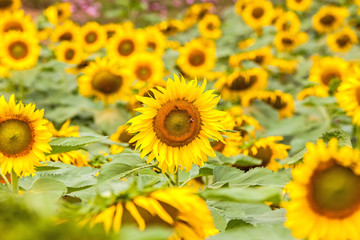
x=67 y=144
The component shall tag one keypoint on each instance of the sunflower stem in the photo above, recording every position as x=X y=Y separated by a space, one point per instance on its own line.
x=170 y=179
x=6 y=180
x=14 y=182
x=357 y=134
x=176 y=178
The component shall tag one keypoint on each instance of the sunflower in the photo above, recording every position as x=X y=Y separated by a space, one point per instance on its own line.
x=4 y=70
x=125 y=45
x=120 y=136
x=111 y=29
x=329 y=18
x=79 y=67
x=105 y=80
x=209 y=26
x=325 y=193
x=76 y=158
x=9 y=5
x=67 y=31
x=325 y=69
x=19 y=51
x=260 y=56
x=197 y=57
x=258 y=13
x=146 y=68
x=287 y=41
x=236 y=84
x=298 y=5
x=69 y=52
x=24 y=137
x=175 y=125
x=93 y=36
x=17 y=21
x=284 y=65
x=348 y=96
x=195 y=13
x=282 y=102
x=317 y=91
x=243 y=121
x=268 y=150
x=245 y=43
x=342 y=41
x=155 y=40
x=58 y=13
x=171 y=27
x=278 y=12
x=240 y=6
x=288 y=22
x=177 y=208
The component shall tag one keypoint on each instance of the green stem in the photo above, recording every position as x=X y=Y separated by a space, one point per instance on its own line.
x=357 y=134
x=176 y=175
x=14 y=182
x=170 y=179
x=6 y=180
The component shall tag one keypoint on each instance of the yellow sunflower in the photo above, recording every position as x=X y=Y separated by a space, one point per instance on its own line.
x=284 y=65
x=317 y=91
x=93 y=36
x=175 y=125
x=69 y=52
x=324 y=193
x=329 y=18
x=245 y=43
x=177 y=208
x=24 y=137
x=342 y=41
x=105 y=80
x=260 y=56
x=146 y=68
x=197 y=57
x=348 y=96
x=287 y=41
x=288 y=22
x=77 y=158
x=268 y=150
x=121 y=136
x=209 y=26
x=67 y=31
x=9 y=5
x=79 y=67
x=278 y=12
x=325 y=69
x=125 y=45
x=258 y=13
x=155 y=40
x=19 y=51
x=195 y=13
x=58 y=13
x=16 y=21
x=111 y=29
x=298 y=5
x=171 y=27
x=240 y=6
x=4 y=70
x=236 y=84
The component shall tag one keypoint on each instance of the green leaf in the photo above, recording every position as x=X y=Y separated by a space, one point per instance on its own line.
x=67 y=144
x=296 y=158
x=342 y=137
x=47 y=188
x=240 y=160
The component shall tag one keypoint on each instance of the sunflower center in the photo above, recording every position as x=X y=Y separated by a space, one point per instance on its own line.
x=326 y=77
x=91 y=37
x=5 y=3
x=286 y=26
x=13 y=26
x=343 y=40
x=18 y=50
x=16 y=137
x=106 y=82
x=125 y=137
x=177 y=123
x=287 y=41
x=197 y=58
x=210 y=26
x=69 y=54
x=110 y=33
x=151 y=45
x=67 y=36
x=60 y=12
x=258 y=12
x=327 y=20
x=241 y=83
x=335 y=192
x=264 y=154
x=143 y=72
x=217 y=146
x=279 y=103
x=259 y=59
x=126 y=47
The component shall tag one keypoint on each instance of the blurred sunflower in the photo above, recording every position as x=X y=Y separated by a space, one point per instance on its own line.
x=111 y=29
x=268 y=150
x=329 y=18
x=171 y=27
x=120 y=136
x=325 y=69
x=325 y=193
x=146 y=68
x=175 y=125
x=298 y=5
x=278 y=12
x=284 y=65
x=17 y=21
x=79 y=67
x=317 y=91
x=348 y=96
x=258 y=13
x=245 y=43
x=69 y=52
x=4 y=70
x=287 y=41
x=261 y=56
x=288 y=22
x=105 y=80
x=155 y=40
x=209 y=26
x=19 y=51
x=195 y=13
x=24 y=137
x=77 y=158
x=236 y=84
x=342 y=41
x=67 y=31
x=58 y=13
x=197 y=57
x=93 y=36
x=240 y=6
x=9 y=5
x=177 y=208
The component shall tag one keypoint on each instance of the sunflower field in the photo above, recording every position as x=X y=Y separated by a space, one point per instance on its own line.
x=179 y=120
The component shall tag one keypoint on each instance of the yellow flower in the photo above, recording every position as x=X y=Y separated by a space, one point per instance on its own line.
x=260 y=56
x=67 y=31
x=70 y=52
x=58 y=13
x=19 y=51
x=93 y=36
x=329 y=18
x=155 y=40
x=288 y=22
x=245 y=43
x=325 y=193
x=317 y=91
x=175 y=125
x=105 y=80
x=258 y=13
x=197 y=57
x=298 y=5
x=284 y=66
x=111 y=29
x=209 y=26
x=9 y=5
x=171 y=27
x=4 y=70
x=287 y=41
x=16 y=21
x=342 y=41
x=240 y=6
x=24 y=137
x=195 y=13
x=348 y=97
x=120 y=136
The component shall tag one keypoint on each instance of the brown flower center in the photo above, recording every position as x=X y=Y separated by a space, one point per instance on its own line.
x=327 y=20
x=67 y=36
x=287 y=41
x=110 y=33
x=217 y=146
x=210 y=26
x=13 y=26
x=91 y=37
x=357 y=95
x=241 y=83
x=327 y=76
x=258 y=12
x=196 y=58
x=69 y=54
x=106 y=82
x=259 y=59
x=16 y=137
x=126 y=47
x=279 y=103
x=143 y=72
x=151 y=45
x=18 y=50
x=177 y=123
x=5 y=3
x=264 y=154
x=343 y=40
